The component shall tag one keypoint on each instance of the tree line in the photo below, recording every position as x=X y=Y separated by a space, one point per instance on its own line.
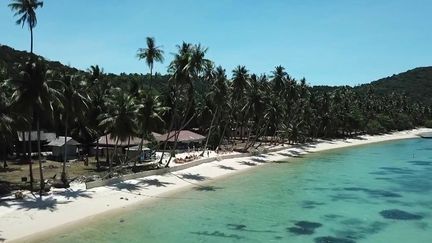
x=267 y=108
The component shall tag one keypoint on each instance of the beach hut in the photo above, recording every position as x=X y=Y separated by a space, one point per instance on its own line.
x=45 y=138
x=57 y=147
x=186 y=139
x=107 y=143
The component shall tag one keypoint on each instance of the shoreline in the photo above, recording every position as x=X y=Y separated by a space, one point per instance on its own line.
x=32 y=219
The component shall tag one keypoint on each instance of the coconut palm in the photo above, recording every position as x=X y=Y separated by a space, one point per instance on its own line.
x=26 y=10
x=240 y=83
x=74 y=102
x=151 y=54
x=119 y=120
x=34 y=95
x=149 y=116
x=6 y=125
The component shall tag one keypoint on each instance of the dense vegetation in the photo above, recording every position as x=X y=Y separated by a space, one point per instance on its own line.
x=37 y=94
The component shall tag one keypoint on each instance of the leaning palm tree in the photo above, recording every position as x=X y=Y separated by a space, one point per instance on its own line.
x=74 y=104
x=151 y=54
x=34 y=95
x=26 y=10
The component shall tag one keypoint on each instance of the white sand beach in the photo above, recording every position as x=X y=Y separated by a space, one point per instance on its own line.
x=21 y=219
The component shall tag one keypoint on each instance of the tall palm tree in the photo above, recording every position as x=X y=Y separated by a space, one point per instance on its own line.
x=239 y=85
x=149 y=116
x=151 y=54
x=74 y=103
x=120 y=119
x=34 y=95
x=26 y=10
x=6 y=125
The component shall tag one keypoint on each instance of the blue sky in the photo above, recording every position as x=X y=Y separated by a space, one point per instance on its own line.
x=330 y=42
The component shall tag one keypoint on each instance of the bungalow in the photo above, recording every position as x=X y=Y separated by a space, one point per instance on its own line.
x=107 y=143
x=45 y=138
x=186 y=139
x=57 y=147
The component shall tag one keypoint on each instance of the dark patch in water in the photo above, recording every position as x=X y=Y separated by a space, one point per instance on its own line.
x=420 y=162
x=207 y=188
x=242 y=227
x=399 y=215
x=237 y=226
x=397 y=170
x=332 y=216
x=379 y=193
x=278 y=237
x=308 y=224
x=331 y=239
x=122 y=220
x=310 y=204
x=358 y=229
x=345 y=197
x=304 y=227
x=218 y=234
x=300 y=230
x=383 y=178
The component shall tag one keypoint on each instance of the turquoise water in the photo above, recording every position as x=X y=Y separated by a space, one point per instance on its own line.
x=373 y=193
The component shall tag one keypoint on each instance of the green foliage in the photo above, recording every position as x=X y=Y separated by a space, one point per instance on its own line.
x=428 y=124
x=374 y=127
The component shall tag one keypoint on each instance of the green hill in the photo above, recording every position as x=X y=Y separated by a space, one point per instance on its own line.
x=416 y=84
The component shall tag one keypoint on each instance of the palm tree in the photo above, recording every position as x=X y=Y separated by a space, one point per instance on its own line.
x=6 y=125
x=34 y=95
x=188 y=66
x=149 y=116
x=26 y=10
x=74 y=103
x=151 y=54
x=120 y=119
x=239 y=85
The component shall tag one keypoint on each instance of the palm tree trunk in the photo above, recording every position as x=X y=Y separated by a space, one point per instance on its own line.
x=210 y=129
x=63 y=174
x=23 y=154
x=4 y=156
x=151 y=77
x=31 y=41
x=30 y=158
x=97 y=154
x=127 y=150
x=42 y=183
x=107 y=159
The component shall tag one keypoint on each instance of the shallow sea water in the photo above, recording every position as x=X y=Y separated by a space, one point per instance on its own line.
x=372 y=193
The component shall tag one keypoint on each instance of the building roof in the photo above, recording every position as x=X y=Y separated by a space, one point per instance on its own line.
x=184 y=136
x=112 y=141
x=60 y=141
